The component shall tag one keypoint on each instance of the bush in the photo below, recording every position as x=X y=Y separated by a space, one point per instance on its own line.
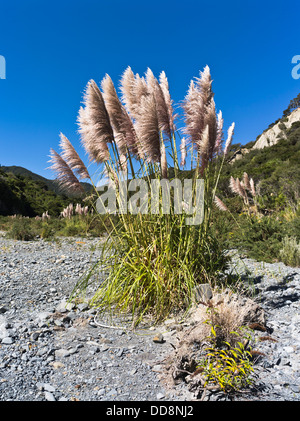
x=21 y=229
x=290 y=252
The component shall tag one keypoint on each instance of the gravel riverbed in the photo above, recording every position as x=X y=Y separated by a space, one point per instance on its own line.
x=53 y=352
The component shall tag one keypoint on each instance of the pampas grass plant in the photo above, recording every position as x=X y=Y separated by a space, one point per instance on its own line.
x=153 y=260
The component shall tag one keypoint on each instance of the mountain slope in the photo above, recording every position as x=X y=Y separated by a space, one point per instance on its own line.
x=51 y=184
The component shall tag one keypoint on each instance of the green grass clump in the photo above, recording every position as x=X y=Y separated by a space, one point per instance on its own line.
x=290 y=251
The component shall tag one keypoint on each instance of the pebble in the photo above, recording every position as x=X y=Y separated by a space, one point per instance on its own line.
x=51 y=350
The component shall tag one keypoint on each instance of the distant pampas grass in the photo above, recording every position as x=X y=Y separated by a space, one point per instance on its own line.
x=220 y=204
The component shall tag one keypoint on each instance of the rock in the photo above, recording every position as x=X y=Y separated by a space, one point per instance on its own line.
x=203 y=292
x=49 y=396
x=64 y=306
x=7 y=341
x=62 y=353
x=159 y=338
x=57 y=364
x=48 y=387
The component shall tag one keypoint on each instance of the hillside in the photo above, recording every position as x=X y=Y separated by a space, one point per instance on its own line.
x=275 y=169
x=26 y=193
x=51 y=184
x=28 y=197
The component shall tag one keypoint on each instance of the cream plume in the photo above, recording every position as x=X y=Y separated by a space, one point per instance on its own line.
x=161 y=107
x=219 y=139
x=229 y=138
x=252 y=187
x=166 y=92
x=64 y=175
x=127 y=87
x=220 y=204
x=125 y=135
x=246 y=181
x=147 y=128
x=94 y=124
x=72 y=158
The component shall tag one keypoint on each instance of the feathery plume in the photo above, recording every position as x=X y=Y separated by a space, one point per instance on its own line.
x=236 y=187
x=219 y=139
x=199 y=110
x=161 y=107
x=72 y=158
x=127 y=87
x=65 y=176
x=220 y=204
x=210 y=120
x=204 y=85
x=233 y=186
x=229 y=138
x=123 y=128
x=246 y=181
x=166 y=92
x=140 y=92
x=194 y=111
x=252 y=187
x=147 y=128
x=94 y=124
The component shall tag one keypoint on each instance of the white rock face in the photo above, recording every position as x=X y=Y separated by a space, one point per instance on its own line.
x=271 y=136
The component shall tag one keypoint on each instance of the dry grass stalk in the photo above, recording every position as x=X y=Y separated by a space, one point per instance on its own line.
x=163 y=162
x=183 y=152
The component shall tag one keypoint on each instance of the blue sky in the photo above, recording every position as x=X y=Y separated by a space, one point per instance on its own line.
x=52 y=49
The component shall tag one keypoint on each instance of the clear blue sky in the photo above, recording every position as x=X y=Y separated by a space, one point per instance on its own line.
x=52 y=48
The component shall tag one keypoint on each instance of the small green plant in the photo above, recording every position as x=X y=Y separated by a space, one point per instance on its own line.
x=227 y=363
x=290 y=252
x=229 y=369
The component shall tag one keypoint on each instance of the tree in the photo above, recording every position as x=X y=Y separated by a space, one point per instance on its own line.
x=294 y=104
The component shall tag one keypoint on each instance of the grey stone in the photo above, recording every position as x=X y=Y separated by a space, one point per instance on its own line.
x=49 y=396
x=48 y=387
x=203 y=292
x=62 y=353
x=7 y=341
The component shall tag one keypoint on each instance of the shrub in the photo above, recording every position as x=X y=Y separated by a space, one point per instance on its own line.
x=289 y=254
x=227 y=363
x=21 y=229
